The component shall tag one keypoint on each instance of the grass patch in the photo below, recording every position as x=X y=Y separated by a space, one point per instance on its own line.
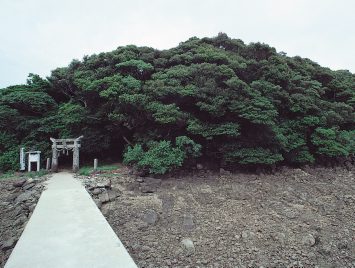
x=32 y=174
x=86 y=170
x=7 y=175
x=36 y=174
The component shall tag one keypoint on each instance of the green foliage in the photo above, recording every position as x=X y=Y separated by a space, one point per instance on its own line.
x=9 y=160
x=332 y=143
x=253 y=156
x=188 y=146
x=161 y=157
x=208 y=131
x=245 y=104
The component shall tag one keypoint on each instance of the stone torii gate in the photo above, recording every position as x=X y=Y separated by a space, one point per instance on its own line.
x=63 y=146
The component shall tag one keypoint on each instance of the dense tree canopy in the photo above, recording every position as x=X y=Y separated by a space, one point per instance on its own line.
x=213 y=98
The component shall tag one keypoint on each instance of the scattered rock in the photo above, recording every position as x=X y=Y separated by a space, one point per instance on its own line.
x=113 y=194
x=148 y=188
x=96 y=191
x=152 y=181
x=150 y=185
x=103 y=197
x=139 y=179
x=224 y=172
x=20 y=221
x=30 y=180
x=8 y=244
x=188 y=246
x=109 y=195
x=98 y=203
x=142 y=226
x=188 y=223
x=133 y=186
x=18 y=210
x=12 y=197
x=199 y=166
x=150 y=216
x=280 y=237
x=32 y=207
x=19 y=183
x=24 y=196
x=247 y=235
x=104 y=184
x=28 y=186
x=309 y=240
x=140 y=173
x=105 y=209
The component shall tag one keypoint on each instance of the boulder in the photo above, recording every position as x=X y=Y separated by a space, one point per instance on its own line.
x=150 y=185
x=109 y=195
x=222 y=171
x=188 y=246
x=188 y=222
x=24 y=196
x=140 y=179
x=8 y=244
x=29 y=181
x=98 y=203
x=148 y=188
x=104 y=184
x=12 y=197
x=113 y=194
x=308 y=240
x=154 y=181
x=103 y=197
x=19 y=183
x=20 y=221
x=150 y=216
x=28 y=186
x=32 y=207
x=96 y=191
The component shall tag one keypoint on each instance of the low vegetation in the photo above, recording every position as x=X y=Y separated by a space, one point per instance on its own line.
x=87 y=170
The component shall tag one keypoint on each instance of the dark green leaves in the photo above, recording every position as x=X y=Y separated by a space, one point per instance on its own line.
x=212 y=98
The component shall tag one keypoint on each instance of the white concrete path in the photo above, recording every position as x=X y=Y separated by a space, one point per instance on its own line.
x=68 y=230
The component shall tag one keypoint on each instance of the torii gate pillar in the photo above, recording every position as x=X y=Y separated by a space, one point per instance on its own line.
x=65 y=145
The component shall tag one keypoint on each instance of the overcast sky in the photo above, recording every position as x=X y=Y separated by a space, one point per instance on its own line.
x=37 y=36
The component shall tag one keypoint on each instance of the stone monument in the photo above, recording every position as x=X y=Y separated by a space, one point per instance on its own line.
x=34 y=157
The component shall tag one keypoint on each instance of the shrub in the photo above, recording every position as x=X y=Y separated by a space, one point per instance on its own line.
x=161 y=157
x=9 y=160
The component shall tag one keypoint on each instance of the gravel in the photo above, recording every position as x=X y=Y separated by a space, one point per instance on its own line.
x=294 y=218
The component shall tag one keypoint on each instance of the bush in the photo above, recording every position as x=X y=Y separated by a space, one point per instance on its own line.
x=161 y=157
x=9 y=160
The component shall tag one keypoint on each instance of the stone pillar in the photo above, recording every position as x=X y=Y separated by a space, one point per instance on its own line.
x=29 y=164
x=95 y=163
x=48 y=165
x=22 y=159
x=75 y=157
x=54 y=158
x=39 y=164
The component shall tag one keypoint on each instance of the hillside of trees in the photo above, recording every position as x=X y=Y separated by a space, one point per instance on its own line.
x=211 y=99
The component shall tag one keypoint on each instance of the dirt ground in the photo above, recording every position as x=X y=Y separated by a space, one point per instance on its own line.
x=295 y=218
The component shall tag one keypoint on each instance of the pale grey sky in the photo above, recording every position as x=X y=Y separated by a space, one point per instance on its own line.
x=39 y=35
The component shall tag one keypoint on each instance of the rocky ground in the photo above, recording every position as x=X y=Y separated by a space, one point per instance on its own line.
x=295 y=218
x=18 y=198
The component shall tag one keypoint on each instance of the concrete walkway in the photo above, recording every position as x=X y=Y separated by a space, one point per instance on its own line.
x=68 y=230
